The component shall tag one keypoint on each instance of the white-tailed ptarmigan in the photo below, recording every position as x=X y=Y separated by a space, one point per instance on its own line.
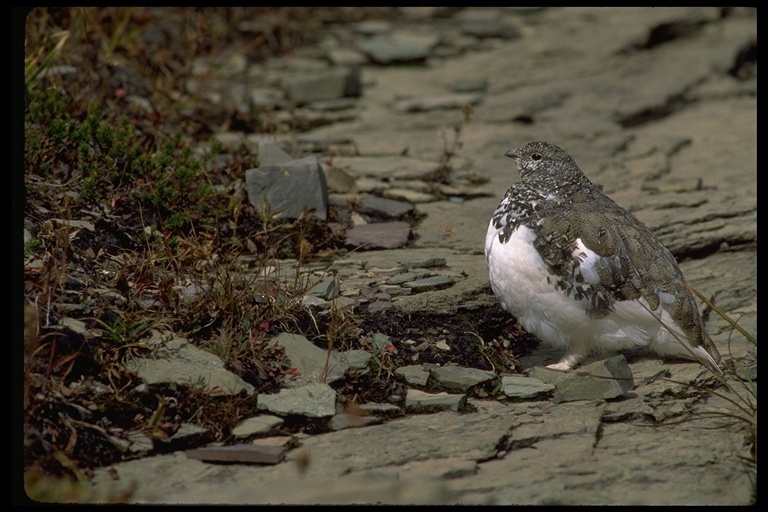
x=580 y=272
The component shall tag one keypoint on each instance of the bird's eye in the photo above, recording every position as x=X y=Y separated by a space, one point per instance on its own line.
x=536 y=156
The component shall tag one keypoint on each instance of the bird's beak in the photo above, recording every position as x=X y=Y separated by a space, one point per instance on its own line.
x=512 y=153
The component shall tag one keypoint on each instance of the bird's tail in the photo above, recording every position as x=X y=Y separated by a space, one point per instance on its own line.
x=708 y=355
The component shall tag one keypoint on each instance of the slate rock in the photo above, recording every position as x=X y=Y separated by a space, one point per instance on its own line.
x=313 y=363
x=313 y=400
x=176 y=360
x=271 y=154
x=547 y=375
x=446 y=401
x=427 y=103
x=486 y=22
x=415 y=375
x=288 y=186
x=380 y=305
x=323 y=85
x=406 y=277
x=243 y=453
x=425 y=263
x=346 y=420
x=382 y=207
x=256 y=425
x=398 y=48
x=356 y=359
x=382 y=235
x=458 y=378
x=289 y=189
x=516 y=386
x=339 y=180
x=429 y=283
x=326 y=289
x=604 y=379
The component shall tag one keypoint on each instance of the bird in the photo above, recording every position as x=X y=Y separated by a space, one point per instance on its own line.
x=582 y=273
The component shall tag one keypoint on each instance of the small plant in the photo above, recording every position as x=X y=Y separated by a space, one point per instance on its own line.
x=740 y=386
x=124 y=332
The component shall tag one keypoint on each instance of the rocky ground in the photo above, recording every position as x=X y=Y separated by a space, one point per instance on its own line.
x=440 y=400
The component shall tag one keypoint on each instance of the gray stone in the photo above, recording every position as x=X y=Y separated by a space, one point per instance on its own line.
x=346 y=420
x=289 y=189
x=286 y=185
x=547 y=375
x=469 y=85
x=312 y=400
x=265 y=96
x=382 y=343
x=604 y=379
x=382 y=207
x=409 y=195
x=271 y=154
x=256 y=425
x=448 y=468
x=140 y=442
x=241 y=454
x=188 y=431
x=485 y=22
x=382 y=235
x=415 y=398
x=338 y=180
x=415 y=375
x=323 y=85
x=425 y=263
x=371 y=27
x=429 y=283
x=380 y=305
x=320 y=139
x=402 y=48
x=175 y=360
x=406 y=277
x=314 y=301
x=426 y=103
x=515 y=386
x=386 y=166
x=347 y=57
x=314 y=364
x=356 y=359
x=326 y=289
x=457 y=378
x=334 y=105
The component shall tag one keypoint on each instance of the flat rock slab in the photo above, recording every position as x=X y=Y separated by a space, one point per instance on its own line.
x=312 y=400
x=457 y=378
x=515 y=386
x=241 y=453
x=383 y=235
x=312 y=363
x=290 y=189
x=415 y=399
x=604 y=379
x=176 y=360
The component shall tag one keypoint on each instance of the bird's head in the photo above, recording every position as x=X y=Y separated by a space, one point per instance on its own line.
x=545 y=162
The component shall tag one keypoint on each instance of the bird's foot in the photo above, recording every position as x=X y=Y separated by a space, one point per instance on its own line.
x=567 y=362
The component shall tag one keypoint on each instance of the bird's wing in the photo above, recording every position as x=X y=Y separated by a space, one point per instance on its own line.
x=608 y=255
x=601 y=254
